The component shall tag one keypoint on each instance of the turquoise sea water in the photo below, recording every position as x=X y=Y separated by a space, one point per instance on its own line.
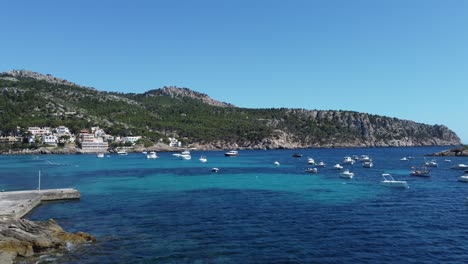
x=176 y=211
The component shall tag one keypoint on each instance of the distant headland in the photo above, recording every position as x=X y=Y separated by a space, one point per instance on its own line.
x=42 y=113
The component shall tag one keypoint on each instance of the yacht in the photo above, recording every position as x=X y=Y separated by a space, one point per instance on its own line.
x=203 y=159
x=310 y=161
x=311 y=170
x=390 y=182
x=460 y=167
x=346 y=174
x=337 y=166
x=321 y=164
x=100 y=155
x=367 y=164
x=122 y=152
x=231 y=153
x=151 y=155
x=348 y=160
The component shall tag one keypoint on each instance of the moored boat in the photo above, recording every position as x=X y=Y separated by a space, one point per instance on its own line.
x=367 y=164
x=151 y=155
x=231 y=153
x=390 y=182
x=203 y=159
x=311 y=170
x=460 y=167
x=337 y=166
x=421 y=172
x=346 y=174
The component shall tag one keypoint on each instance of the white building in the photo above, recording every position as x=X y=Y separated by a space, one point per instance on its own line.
x=131 y=139
x=49 y=140
x=89 y=143
x=39 y=131
x=173 y=142
x=62 y=130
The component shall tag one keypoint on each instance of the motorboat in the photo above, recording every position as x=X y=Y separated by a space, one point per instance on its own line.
x=203 y=159
x=185 y=152
x=276 y=163
x=311 y=170
x=186 y=157
x=310 y=161
x=365 y=158
x=214 y=170
x=100 y=155
x=231 y=153
x=447 y=160
x=355 y=157
x=431 y=163
x=321 y=164
x=337 y=167
x=460 y=167
x=404 y=159
x=422 y=172
x=346 y=174
x=151 y=155
x=463 y=178
x=390 y=182
x=367 y=164
x=348 y=160
x=122 y=152
x=297 y=155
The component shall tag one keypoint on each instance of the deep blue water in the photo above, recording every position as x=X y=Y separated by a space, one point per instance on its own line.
x=174 y=211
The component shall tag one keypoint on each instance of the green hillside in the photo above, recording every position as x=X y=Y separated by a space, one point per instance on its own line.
x=41 y=100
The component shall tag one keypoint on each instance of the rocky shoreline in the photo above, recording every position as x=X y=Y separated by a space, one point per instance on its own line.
x=24 y=238
x=455 y=152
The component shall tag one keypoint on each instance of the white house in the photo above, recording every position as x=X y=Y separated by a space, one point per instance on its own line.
x=173 y=142
x=49 y=140
x=131 y=139
x=62 y=130
x=39 y=131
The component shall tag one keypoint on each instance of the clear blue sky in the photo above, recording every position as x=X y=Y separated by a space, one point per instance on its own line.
x=401 y=58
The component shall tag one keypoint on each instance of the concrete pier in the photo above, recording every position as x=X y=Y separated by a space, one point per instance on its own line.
x=17 y=204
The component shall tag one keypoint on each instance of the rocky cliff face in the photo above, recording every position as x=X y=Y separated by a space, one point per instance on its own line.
x=176 y=92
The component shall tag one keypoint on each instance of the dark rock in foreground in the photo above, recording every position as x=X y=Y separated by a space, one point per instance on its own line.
x=24 y=238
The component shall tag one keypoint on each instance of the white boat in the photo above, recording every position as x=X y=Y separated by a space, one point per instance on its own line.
x=463 y=178
x=186 y=157
x=214 y=170
x=321 y=164
x=185 y=152
x=151 y=155
x=122 y=152
x=390 y=182
x=310 y=161
x=447 y=160
x=431 y=163
x=367 y=164
x=311 y=170
x=346 y=174
x=100 y=155
x=404 y=159
x=203 y=159
x=365 y=158
x=460 y=167
x=144 y=152
x=231 y=153
x=276 y=163
x=355 y=157
x=348 y=160
x=337 y=167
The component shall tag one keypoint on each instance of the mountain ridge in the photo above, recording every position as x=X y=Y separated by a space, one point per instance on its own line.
x=29 y=99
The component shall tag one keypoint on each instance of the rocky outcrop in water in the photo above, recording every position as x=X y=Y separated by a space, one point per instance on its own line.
x=24 y=238
x=457 y=152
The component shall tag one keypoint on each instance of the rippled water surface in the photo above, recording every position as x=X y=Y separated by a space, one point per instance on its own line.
x=176 y=211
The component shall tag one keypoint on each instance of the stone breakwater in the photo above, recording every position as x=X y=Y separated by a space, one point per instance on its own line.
x=24 y=238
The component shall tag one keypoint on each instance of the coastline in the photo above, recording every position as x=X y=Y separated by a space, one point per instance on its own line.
x=224 y=147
